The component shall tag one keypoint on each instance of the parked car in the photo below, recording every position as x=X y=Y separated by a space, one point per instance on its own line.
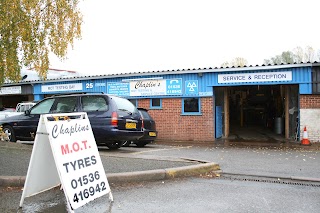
x=114 y=120
x=149 y=130
x=20 y=109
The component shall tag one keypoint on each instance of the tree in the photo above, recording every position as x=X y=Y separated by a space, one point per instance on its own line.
x=298 y=55
x=31 y=29
x=309 y=54
x=287 y=57
x=225 y=64
x=277 y=59
x=236 y=62
x=267 y=61
x=239 y=62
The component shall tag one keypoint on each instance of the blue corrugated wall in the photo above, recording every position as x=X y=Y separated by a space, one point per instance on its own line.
x=206 y=79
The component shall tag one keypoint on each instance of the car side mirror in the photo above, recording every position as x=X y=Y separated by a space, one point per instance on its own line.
x=27 y=112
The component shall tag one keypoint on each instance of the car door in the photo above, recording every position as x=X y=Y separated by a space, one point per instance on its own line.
x=26 y=126
x=97 y=109
x=64 y=104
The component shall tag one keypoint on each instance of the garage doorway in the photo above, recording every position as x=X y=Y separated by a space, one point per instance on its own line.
x=259 y=112
x=11 y=101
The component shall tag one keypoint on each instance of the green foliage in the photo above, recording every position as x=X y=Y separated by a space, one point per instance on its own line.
x=288 y=57
x=298 y=55
x=236 y=62
x=31 y=29
x=3 y=135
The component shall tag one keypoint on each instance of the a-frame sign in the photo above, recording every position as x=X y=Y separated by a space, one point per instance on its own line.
x=65 y=152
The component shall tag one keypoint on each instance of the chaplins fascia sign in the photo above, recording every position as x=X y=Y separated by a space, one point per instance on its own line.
x=254 y=77
x=148 y=87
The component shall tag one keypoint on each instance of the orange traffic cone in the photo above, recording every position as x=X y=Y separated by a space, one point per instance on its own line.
x=305 y=140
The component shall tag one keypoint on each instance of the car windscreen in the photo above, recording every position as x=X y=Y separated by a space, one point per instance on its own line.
x=124 y=105
x=42 y=107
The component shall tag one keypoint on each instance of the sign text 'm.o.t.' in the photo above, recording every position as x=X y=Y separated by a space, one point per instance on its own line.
x=77 y=160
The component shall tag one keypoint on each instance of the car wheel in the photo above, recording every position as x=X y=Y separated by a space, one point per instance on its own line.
x=141 y=143
x=8 y=130
x=115 y=145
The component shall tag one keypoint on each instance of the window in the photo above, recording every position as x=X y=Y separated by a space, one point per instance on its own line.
x=125 y=105
x=94 y=103
x=43 y=107
x=191 y=106
x=65 y=105
x=134 y=102
x=155 y=103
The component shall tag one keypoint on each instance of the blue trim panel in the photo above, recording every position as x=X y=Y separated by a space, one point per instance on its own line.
x=204 y=82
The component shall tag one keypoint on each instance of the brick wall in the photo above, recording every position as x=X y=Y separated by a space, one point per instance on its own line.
x=172 y=126
x=309 y=101
x=310 y=116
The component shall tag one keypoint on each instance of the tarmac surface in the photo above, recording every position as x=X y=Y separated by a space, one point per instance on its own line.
x=223 y=160
x=129 y=164
x=15 y=157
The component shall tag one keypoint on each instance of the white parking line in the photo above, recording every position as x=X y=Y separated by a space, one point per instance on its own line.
x=158 y=150
x=25 y=142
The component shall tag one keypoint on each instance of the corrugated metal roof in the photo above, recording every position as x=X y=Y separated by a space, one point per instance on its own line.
x=168 y=72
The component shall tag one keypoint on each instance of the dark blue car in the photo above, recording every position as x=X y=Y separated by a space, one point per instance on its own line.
x=114 y=120
x=150 y=132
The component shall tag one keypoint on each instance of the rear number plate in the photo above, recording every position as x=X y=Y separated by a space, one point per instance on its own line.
x=152 y=134
x=131 y=125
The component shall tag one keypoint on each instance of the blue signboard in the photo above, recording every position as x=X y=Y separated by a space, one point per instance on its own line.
x=174 y=86
x=118 y=89
x=192 y=87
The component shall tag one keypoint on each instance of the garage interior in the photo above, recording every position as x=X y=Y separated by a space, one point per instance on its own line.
x=259 y=113
x=11 y=101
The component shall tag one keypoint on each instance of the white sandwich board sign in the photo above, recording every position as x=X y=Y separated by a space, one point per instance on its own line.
x=65 y=152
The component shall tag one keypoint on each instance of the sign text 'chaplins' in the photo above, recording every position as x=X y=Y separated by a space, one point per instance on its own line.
x=148 y=87
x=69 y=130
x=255 y=77
x=146 y=84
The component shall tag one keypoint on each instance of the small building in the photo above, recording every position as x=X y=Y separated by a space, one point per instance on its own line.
x=13 y=93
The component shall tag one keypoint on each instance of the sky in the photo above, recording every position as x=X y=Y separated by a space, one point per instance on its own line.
x=126 y=36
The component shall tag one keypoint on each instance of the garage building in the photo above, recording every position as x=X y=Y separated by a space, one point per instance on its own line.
x=207 y=104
